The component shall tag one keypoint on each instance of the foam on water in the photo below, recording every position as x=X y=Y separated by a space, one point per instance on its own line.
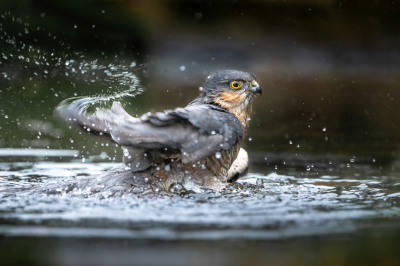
x=257 y=207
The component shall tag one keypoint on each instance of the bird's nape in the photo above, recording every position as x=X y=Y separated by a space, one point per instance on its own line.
x=194 y=146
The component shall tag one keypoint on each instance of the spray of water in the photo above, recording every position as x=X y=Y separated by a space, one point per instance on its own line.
x=26 y=60
x=120 y=79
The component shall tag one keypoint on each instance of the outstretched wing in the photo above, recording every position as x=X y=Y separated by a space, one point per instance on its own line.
x=194 y=132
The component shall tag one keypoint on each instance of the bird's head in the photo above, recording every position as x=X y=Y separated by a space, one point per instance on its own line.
x=231 y=89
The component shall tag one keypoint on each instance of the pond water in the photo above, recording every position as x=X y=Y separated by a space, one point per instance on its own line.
x=323 y=186
x=267 y=203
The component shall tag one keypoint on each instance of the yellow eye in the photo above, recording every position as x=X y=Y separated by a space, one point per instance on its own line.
x=236 y=85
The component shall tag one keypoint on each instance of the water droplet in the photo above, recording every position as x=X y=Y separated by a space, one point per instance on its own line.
x=250 y=139
x=373 y=160
x=218 y=155
x=324 y=129
x=290 y=142
x=352 y=160
x=182 y=68
x=6 y=116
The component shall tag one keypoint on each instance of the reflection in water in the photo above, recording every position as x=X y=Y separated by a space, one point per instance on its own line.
x=259 y=206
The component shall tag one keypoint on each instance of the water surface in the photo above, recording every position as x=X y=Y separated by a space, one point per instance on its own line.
x=266 y=204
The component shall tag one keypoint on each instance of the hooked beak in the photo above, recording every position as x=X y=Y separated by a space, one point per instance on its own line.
x=255 y=87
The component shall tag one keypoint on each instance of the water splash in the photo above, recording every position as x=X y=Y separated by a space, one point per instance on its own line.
x=258 y=206
x=120 y=79
x=24 y=58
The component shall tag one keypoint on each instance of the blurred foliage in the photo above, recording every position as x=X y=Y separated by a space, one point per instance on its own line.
x=93 y=27
x=326 y=20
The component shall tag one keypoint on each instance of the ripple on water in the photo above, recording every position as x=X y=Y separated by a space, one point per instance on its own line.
x=257 y=207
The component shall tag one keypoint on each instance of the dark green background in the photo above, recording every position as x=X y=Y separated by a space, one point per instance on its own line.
x=321 y=64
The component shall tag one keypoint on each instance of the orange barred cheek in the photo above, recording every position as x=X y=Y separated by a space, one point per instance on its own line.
x=232 y=102
x=232 y=97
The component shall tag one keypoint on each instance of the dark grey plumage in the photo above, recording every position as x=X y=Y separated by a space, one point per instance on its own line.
x=196 y=146
x=196 y=131
x=216 y=82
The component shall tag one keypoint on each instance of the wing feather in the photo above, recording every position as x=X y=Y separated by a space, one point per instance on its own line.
x=195 y=131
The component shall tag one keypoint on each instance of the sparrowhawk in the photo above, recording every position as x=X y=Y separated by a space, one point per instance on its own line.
x=195 y=145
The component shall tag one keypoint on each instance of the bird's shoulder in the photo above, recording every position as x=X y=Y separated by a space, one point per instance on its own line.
x=207 y=118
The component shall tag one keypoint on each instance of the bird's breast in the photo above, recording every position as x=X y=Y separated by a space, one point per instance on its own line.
x=205 y=172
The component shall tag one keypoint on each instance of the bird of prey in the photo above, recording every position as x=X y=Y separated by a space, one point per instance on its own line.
x=198 y=145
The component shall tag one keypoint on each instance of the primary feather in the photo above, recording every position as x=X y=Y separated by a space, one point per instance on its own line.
x=195 y=132
x=197 y=144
